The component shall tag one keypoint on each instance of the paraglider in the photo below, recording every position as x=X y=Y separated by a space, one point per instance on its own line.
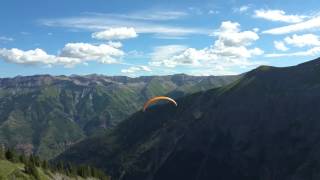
x=158 y=98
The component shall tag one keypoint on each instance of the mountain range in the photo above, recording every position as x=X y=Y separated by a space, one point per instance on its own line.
x=265 y=125
x=45 y=114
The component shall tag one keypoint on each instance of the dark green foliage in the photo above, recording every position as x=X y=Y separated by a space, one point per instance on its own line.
x=264 y=126
x=2 y=152
x=31 y=169
x=11 y=155
x=60 y=167
x=84 y=171
x=45 y=164
x=33 y=163
x=72 y=170
x=23 y=159
x=35 y=160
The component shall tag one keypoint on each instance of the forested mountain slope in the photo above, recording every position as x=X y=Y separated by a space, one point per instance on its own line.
x=266 y=125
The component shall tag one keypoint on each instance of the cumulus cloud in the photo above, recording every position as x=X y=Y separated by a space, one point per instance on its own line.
x=310 y=52
x=115 y=34
x=74 y=53
x=311 y=24
x=36 y=56
x=230 y=49
x=135 y=69
x=162 y=55
x=303 y=40
x=278 y=15
x=279 y=45
x=70 y=55
x=103 y=53
x=229 y=35
x=28 y=57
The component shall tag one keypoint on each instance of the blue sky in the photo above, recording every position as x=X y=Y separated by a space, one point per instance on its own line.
x=154 y=37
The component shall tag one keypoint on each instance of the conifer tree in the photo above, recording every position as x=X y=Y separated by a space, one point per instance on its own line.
x=45 y=164
x=31 y=159
x=31 y=169
x=60 y=167
x=37 y=161
x=23 y=159
x=2 y=152
x=11 y=155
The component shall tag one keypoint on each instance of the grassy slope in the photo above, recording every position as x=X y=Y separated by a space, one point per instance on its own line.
x=9 y=170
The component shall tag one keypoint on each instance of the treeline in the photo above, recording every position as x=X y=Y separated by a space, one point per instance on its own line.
x=31 y=163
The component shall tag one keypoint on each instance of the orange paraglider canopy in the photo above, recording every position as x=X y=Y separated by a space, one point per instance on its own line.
x=158 y=98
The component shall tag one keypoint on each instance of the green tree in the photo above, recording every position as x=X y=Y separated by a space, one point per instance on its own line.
x=45 y=164
x=11 y=155
x=81 y=171
x=23 y=159
x=2 y=152
x=60 y=167
x=31 y=169
x=37 y=161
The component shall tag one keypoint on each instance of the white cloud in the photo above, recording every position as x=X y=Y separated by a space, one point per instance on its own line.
x=303 y=40
x=311 y=24
x=280 y=46
x=256 y=29
x=28 y=57
x=115 y=44
x=101 y=22
x=72 y=54
x=135 y=69
x=5 y=38
x=175 y=37
x=244 y=8
x=153 y=15
x=213 y=12
x=162 y=55
x=136 y=54
x=229 y=35
x=36 y=56
x=300 y=41
x=115 y=34
x=103 y=53
x=315 y=51
x=278 y=15
x=229 y=50
x=241 y=9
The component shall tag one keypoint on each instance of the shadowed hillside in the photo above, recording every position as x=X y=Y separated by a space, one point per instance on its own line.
x=46 y=114
x=263 y=126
